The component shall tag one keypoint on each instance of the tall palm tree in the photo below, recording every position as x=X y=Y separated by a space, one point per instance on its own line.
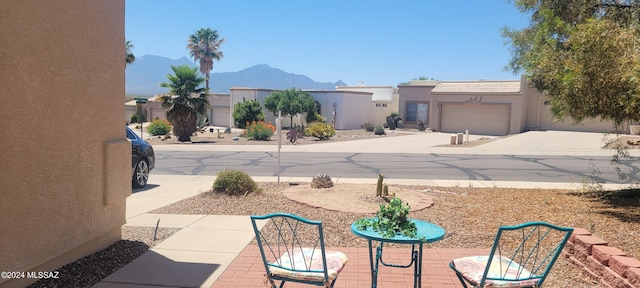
x=204 y=47
x=129 y=57
x=185 y=100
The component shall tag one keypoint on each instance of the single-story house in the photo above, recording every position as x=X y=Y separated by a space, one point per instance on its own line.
x=343 y=108
x=219 y=113
x=483 y=107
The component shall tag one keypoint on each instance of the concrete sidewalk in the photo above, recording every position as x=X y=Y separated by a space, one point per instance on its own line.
x=206 y=245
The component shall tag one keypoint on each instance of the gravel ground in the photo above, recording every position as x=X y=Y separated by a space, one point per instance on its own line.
x=90 y=270
x=227 y=139
x=469 y=215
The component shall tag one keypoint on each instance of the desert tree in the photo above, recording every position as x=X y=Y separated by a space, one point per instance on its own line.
x=290 y=102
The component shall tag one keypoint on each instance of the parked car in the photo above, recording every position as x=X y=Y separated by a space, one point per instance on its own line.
x=143 y=159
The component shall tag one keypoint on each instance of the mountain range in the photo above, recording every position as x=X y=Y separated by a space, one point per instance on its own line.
x=145 y=74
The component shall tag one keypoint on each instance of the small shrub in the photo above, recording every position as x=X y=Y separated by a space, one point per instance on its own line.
x=159 y=127
x=313 y=116
x=379 y=130
x=259 y=130
x=368 y=127
x=234 y=182
x=320 y=130
x=321 y=181
x=134 y=118
x=397 y=119
x=421 y=126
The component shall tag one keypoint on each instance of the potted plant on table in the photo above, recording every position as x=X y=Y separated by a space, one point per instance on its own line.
x=390 y=220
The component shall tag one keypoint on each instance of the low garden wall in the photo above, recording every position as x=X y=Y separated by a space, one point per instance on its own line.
x=607 y=265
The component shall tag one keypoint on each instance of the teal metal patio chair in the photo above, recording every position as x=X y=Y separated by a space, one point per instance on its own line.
x=292 y=250
x=521 y=256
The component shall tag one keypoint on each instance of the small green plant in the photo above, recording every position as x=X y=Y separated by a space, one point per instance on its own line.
x=260 y=131
x=369 y=127
x=313 y=116
x=321 y=181
x=390 y=220
x=134 y=118
x=320 y=130
x=234 y=182
x=379 y=130
x=379 y=185
x=159 y=127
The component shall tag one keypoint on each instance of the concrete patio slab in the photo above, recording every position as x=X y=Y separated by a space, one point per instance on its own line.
x=166 y=220
x=171 y=268
x=207 y=240
x=225 y=222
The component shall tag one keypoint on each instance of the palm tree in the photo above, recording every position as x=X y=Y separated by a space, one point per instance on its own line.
x=204 y=47
x=185 y=100
x=129 y=57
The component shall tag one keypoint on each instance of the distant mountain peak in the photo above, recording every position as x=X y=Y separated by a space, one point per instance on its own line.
x=145 y=74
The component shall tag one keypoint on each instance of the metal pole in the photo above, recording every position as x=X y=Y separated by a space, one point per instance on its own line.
x=279 y=132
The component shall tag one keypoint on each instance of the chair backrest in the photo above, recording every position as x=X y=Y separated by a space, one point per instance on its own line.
x=287 y=235
x=525 y=252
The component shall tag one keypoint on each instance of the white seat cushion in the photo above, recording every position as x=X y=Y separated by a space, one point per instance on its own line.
x=472 y=268
x=302 y=261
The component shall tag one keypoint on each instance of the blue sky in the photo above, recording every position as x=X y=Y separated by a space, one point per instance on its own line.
x=374 y=42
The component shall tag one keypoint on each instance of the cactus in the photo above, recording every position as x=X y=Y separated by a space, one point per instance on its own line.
x=321 y=181
x=385 y=190
x=379 y=186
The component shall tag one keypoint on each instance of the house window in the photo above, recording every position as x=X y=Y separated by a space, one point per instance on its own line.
x=381 y=104
x=417 y=111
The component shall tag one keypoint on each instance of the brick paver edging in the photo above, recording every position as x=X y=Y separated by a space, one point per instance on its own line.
x=608 y=265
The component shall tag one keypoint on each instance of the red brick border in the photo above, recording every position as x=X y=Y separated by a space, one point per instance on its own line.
x=610 y=266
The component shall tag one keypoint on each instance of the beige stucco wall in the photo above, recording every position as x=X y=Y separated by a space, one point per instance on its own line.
x=66 y=164
x=514 y=100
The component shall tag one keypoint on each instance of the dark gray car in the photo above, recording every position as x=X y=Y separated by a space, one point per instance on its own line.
x=143 y=159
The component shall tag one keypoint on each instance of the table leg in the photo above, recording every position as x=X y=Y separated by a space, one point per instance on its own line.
x=374 y=269
x=417 y=272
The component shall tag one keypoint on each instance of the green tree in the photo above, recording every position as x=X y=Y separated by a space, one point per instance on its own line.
x=290 y=102
x=204 y=47
x=185 y=100
x=129 y=57
x=583 y=55
x=247 y=111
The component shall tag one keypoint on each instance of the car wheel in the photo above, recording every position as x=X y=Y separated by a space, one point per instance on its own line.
x=141 y=174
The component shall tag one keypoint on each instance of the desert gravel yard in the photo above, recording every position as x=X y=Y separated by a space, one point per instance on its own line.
x=470 y=216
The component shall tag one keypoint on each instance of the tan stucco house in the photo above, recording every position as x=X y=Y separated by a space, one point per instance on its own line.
x=483 y=107
x=219 y=113
x=67 y=164
x=345 y=109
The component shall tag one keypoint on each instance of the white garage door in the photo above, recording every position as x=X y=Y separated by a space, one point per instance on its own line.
x=480 y=119
x=220 y=116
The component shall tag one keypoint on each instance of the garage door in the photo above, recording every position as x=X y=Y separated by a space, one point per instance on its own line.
x=480 y=119
x=220 y=116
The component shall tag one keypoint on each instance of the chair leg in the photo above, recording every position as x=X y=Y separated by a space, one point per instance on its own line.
x=464 y=283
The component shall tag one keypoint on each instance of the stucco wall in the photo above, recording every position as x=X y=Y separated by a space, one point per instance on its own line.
x=416 y=93
x=66 y=164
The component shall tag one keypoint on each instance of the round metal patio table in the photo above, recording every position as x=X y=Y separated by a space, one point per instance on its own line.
x=427 y=232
